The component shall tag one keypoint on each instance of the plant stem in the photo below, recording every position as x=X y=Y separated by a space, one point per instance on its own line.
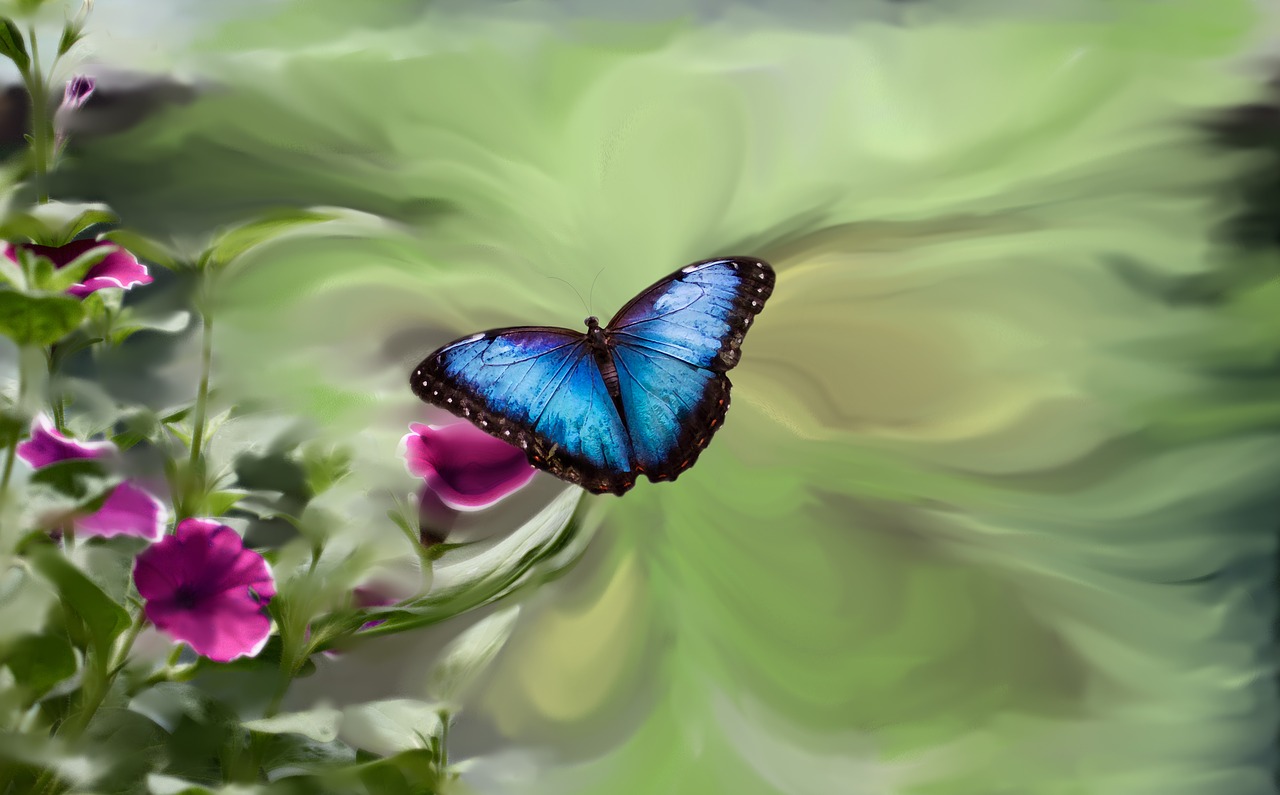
x=202 y=397
x=288 y=669
x=443 y=762
x=28 y=379
x=10 y=453
x=55 y=398
x=194 y=461
x=37 y=87
x=104 y=666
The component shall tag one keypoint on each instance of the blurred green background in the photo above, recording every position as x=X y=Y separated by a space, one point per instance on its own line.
x=994 y=511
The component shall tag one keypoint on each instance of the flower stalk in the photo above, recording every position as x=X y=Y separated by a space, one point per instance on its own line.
x=194 y=475
x=30 y=375
x=38 y=90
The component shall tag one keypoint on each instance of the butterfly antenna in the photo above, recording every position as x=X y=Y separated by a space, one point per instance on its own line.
x=571 y=287
x=591 y=294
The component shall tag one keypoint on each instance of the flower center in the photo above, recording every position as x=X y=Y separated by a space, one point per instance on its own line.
x=186 y=597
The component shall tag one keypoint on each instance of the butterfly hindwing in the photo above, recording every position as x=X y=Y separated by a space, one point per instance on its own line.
x=672 y=409
x=540 y=389
x=672 y=346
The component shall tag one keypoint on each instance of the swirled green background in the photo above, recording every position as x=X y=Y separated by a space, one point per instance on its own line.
x=992 y=512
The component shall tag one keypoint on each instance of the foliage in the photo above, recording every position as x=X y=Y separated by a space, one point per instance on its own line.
x=79 y=708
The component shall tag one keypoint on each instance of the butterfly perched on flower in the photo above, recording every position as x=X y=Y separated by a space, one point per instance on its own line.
x=641 y=395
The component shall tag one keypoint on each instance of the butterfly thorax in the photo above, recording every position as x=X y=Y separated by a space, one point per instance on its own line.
x=600 y=344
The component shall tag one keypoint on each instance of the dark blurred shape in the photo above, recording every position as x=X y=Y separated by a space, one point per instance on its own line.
x=113 y=105
x=15 y=113
x=1253 y=225
x=121 y=102
x=1254 y=127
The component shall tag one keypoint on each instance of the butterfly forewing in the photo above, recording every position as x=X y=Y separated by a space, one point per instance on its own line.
x=699 y=314
x=540 y=389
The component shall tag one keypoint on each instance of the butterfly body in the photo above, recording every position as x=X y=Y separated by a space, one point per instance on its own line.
x=640 y=396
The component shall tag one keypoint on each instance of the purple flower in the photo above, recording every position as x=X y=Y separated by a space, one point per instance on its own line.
x=118 y=269
x=128 y=511
x=366 y=596
x=78 y=91
x=202 y=587
x=464 y=466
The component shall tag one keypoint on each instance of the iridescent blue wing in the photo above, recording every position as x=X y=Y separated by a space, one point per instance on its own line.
x=672 y=346
x=540 y=389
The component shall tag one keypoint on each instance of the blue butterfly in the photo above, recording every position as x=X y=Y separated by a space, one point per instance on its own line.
x=640 y=396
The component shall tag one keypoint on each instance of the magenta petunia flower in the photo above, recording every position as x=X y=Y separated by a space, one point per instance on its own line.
x=466 y=467
x=118 y=269
x=128 y=511
x=78 y=91
x=202 y=587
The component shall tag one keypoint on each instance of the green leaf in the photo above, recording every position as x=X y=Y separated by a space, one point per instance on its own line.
x=235 y=242
x=158 y=784
x=143 y=248
x=75 y=270
x=320 y=724
x=11 y=426
x=84 y=480
x=39 y=662
x=66 y=350
x=104 y=618
x=11 y=273
x=128 y=745
x=83 y=220
x=217 y=503
x=285 y=755
x=324 y=467
x=139 y=425
x=466 y=658
x=38 y=319
x=25 y=226
x=392 y=726
x=12 y=45
x=471 y=575
x=129 y=323
x=468 y=576
x=39 y=269
x=70 y=35
x=406 y=773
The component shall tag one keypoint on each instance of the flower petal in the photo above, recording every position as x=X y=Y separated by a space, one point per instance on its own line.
x=222 y=628
x=367 y=596
x=466 y=467
x=216 y=560
x=128 y=511
x=78 y=91
x=46 y=446
x=118 y=269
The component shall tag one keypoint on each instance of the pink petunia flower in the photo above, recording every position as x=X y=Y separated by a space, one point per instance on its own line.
x=465 y=467
x=202 y=587
x=78 y=91
x=128 y=511
x=118 y=269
